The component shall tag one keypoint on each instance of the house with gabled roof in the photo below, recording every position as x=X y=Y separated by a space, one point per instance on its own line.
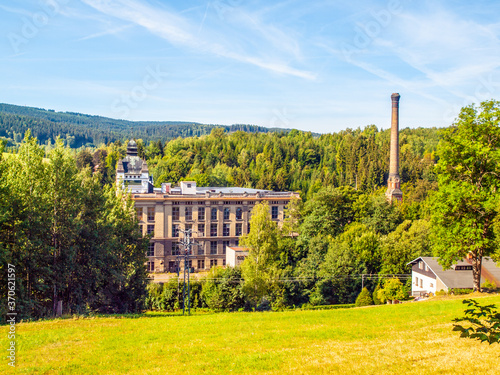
x=428 y=276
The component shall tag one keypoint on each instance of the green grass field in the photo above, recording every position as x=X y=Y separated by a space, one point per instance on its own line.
x=411 y=338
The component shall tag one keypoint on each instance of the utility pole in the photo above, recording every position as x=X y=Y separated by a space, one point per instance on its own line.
x=186 y=256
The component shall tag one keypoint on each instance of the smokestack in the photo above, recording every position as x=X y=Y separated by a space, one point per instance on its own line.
x=394 y=182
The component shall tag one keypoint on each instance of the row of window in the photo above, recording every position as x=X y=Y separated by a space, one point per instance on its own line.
x=214 y=232
x=176 y=248
x=214 y=229
x=417 y=280
x=188 y=213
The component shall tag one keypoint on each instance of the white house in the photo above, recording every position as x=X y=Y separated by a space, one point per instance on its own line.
x=133 y=172
x=428 y=276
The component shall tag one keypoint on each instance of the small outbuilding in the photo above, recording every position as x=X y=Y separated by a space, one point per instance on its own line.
x=428 y=276
x=235 y=255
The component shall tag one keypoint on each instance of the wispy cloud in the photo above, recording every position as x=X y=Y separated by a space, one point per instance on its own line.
x=179 y=31
x=113 y=31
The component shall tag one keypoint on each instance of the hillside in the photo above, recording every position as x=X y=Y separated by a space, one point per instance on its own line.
x=87 y=130
x=412 y=338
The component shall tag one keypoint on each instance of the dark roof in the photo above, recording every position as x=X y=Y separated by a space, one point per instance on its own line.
x=456 y=279
x=132 y=164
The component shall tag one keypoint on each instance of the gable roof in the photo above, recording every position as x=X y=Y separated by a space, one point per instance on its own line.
x=454 y=278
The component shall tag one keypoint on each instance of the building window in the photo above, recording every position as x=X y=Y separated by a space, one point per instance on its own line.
x=151 y=250
x=213 y=263
x=421 y=265
x=223 y=262
x=213 y=247
x=175 y=213
x=140 y=229
x=201 y=250
x=176 y=249
x=421 y=283
x=188 y=227
x=416 y=281
x=175 y=230
x=226 y=213
x=189 y=186
x=201 y=230
x=225 y=244
x=213 y=214
x=151 y=266
x=239 y=213
x=237 y=243
x=213 y=230
x=201 y=264
x=151 y=214
x=188 y=213
x=226 y=229
x=426 y=268
x=138 y=211
x=239 y=229
x=274 y=212
x=432 y=285
x=248 y=227
x=151 y=229
x=201 y=213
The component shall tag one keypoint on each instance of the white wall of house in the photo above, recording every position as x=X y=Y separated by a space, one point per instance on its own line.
x=422 y=283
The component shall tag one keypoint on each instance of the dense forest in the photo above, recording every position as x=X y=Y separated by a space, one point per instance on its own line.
x=77 y=129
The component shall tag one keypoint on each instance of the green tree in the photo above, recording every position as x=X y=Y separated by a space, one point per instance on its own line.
x=393 y=290
x=465 y=206
x=259 y=269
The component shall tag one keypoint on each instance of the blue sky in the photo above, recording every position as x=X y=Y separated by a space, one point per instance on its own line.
x=318 y=65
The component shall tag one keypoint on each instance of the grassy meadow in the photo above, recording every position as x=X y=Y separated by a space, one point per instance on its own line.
x=410 y=338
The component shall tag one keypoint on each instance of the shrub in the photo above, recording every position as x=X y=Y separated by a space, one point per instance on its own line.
x=442 y=293
x=458 y=291
x=489 y=285
x=377 y=300
x=364 y=298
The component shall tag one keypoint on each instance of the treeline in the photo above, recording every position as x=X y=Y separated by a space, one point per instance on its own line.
x=295 y=161
x=79 y=130
x=68 y=237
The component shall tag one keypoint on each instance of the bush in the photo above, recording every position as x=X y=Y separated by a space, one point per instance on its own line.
x=442 y=293
x=458 y=291
x=489 y=285
x=377 y=300
x=364 y=298
x=222 y=289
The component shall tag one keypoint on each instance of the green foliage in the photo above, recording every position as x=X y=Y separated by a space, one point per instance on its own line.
x=222 y=289
x=409 y=241
x=460 y=291
x=489 y=285
x=260 y=269
x=393 y=290
x=69 y=239
x=364 y=298
x=484 y=322
x=376 y=299
x=465 y=206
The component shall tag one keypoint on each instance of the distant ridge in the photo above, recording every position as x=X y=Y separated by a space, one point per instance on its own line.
x=89 y=130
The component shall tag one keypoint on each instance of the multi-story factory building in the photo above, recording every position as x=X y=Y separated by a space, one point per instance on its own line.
x=217 y=217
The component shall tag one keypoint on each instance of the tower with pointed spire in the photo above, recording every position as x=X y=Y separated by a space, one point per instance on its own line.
x=394 y=181
x=133 y=171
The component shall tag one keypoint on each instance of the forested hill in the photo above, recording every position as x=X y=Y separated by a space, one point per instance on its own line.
x=87 y=130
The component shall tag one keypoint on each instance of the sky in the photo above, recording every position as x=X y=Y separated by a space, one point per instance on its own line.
x=320 y=66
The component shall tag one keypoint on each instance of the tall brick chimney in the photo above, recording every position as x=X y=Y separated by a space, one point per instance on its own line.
x=394 y=181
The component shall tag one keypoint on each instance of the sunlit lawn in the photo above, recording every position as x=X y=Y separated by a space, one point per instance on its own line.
x=411 y=338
